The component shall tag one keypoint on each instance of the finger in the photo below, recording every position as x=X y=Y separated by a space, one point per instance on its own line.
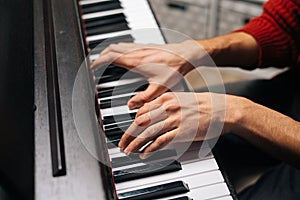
x=147 y=107
x=151 y=117
x=151 y=132
x=153 y=91
x=139 y=125
x=159 y=143
x=129 y=135
x=104 y=60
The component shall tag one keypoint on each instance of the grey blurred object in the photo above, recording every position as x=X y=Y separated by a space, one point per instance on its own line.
x=201 y=19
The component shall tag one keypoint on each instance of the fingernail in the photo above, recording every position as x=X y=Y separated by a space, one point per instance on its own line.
x=121 y=147
x=126 y=152
x=144 y=156
x=131 y=105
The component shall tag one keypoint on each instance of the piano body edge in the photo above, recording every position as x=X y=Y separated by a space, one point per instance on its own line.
x=83 y=178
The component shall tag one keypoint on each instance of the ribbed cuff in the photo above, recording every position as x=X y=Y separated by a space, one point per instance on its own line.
x=274 y=31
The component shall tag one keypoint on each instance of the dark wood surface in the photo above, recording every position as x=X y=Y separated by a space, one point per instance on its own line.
x=16 y=99
x=82 y=178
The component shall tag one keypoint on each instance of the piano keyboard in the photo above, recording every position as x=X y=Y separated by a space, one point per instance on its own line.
x=191 y=177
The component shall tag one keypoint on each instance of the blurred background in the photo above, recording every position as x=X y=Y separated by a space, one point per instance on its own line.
x=200 y=19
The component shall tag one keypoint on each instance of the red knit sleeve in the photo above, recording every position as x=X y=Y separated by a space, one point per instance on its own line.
x=277 y=32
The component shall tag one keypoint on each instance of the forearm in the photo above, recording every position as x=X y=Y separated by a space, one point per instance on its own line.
x=234 y=49
x=271 y=131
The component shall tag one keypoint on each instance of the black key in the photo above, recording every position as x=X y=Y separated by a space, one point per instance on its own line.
x=108 y=103
x=122 y=89
x=101 y=6
x=134 y=158
x=164 y=190
x=147 y=170
x=113 y=141
x=114 y=138
x=109 y=70
x=107 y=41
x=116 y=131
x=113 y=144
x=182 y=198
x=118 y=76
x=118 y=118
x=121 y=124
x=105 y=20
x=121 y=26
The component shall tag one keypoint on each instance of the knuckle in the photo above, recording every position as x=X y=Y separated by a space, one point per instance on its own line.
x=172 y=107
x=161 y=140
x=166 y=96
x=112 y=46
x=139 y=121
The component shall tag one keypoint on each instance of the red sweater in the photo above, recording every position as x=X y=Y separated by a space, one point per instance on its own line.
x=277 y=32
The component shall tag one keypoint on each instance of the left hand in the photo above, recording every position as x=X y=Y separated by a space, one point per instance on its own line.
x=178 y=117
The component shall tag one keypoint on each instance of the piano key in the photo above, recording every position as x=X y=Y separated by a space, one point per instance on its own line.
x=181 y=198
x=107 y=41
x=116 y=111
x=113 y=138
x=136 y=87
x=114 y=102
x=105 y=78
x=150 y=169
x=108 y=35
x=121 y=26
x=134 y=158
x=109 y=70
x=101 y=6
x=228 y=197
x=113 y=147
x=214 y=191
x=125 y=81
x=132 y=83
x=118 y=96
x=105 y=20
x=118 y=118
x=85 y=2
x=117 y=125
x=164 y=190
x=194 y=181
x=190 y=169
x=116 y=131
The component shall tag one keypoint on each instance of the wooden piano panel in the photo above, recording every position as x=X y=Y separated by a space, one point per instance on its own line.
x=82 y=179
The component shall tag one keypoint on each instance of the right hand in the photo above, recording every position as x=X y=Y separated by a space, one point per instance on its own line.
x=162 y=65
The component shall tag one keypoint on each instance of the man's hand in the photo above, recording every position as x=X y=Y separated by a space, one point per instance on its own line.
x=180 y=117
x=162 y=65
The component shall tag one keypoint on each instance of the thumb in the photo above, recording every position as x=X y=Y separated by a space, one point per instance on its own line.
x=152 y=91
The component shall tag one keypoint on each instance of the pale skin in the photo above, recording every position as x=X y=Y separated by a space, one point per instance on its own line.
x=161 y=117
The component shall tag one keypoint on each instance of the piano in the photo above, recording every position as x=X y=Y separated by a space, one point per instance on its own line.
x=79 y=116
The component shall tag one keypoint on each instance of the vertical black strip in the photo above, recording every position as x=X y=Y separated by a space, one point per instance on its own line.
x=55 y=118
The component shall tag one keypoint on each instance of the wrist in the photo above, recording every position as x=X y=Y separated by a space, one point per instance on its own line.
x=238 y=108
x=198 y=53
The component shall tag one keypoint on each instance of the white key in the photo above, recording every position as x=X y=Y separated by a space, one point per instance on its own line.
x=207 y=192
x=118 y=96
x=86 y=2
x=102 y=13
x=116 y=111
x=228 y=197
x=119 y=82
x=193 y=181
x=107 y=35
x=189 y=169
